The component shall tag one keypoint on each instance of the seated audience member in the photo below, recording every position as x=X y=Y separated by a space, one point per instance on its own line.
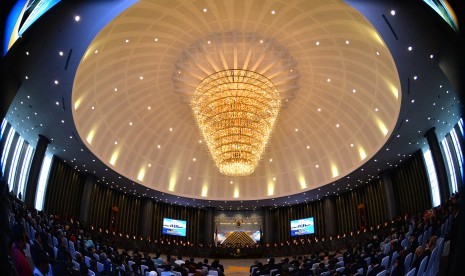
x=215 y=267
x=419 y=256
x=398 y=268
x=21 y=265
x=166 y=270
x=320 y=268
x=220 y=266
x=84 y=270
x=376 y=267
x=260 y=270
x=205 y=263
x=41 y=263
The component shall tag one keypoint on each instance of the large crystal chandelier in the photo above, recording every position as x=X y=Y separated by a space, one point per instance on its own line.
x=236 y=110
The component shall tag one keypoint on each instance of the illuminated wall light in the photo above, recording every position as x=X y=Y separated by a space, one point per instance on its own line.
x=394 y=90
x=302 y=182
x=236 y=192
x=77 y=103
x=334 y=170
x=382 y=126
x=270 y=188
x=90 y=136
x=114 y=157
x=362 y=153
x=172 y=183
x=204 y=190
x=141 y=175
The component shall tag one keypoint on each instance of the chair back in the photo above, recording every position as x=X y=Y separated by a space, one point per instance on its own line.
x=368 y=260
x=76 y=265
x=382 y=273
x=432 y=260
x=393 y=258
x=100 y=267
x=87 y=261
x=421 y=269
x=408 y=261
x=55 y=251
x=411 y=272
x=340 y=269
x=213 y=272
x=385 y=262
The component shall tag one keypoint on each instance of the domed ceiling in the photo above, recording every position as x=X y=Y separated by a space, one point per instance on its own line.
x=337 y=80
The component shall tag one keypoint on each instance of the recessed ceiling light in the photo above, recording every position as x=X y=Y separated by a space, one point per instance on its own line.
x=273 y=12
x=158 y=146
x=410 y=48
x=209 y=42
x=93 y=107
x=27 y=53
x=205 y=10
x=377 y=53
x=141 y=77
x=77 y=18
x=56 y=82
x=271 y=160
x=328 y=80
x=337 y=125
x=127 y=41
x=26 y=77
x=63 y=121
x=347 y=42
x=317 y=166
x=156 y=39
x=351 y=145
x=393 y=12
x=431 y=56
x=150 y=165
x=317 y=43
x=354 y=90
x=261 y=41
x=308 y=147
x=193 y=159
x=57 y=103
x=130 y=123
x=149 y=107
x=60 y=53
x=171 y=129
x=415 y=77
x=319 y=109
x=116 y=143
x=376 y=109
x=96 y=52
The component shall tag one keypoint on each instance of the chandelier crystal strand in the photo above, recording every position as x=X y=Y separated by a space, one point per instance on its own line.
x=236 y=110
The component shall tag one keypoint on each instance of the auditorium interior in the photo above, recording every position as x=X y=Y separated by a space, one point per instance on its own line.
x=234 y=129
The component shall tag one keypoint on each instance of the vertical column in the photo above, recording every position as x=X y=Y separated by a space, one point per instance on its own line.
x=266 y=225
x=386 y=179
x=462 y=147
x=146 y=217
x=439 y=164
x=210 y=225
x=34 y=171
x=330 y=217
x=86 y=197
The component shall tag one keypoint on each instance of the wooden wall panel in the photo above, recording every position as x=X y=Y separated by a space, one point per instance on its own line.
x=411 y=186
x=64 y=190
x=195 y=217
x=281 y=217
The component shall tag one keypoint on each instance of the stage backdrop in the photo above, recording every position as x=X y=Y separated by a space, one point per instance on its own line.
x=230 y=223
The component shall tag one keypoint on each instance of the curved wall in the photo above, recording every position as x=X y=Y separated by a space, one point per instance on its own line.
x=409 y=183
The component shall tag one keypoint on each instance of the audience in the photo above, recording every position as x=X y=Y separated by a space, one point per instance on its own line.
x=38 y=255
